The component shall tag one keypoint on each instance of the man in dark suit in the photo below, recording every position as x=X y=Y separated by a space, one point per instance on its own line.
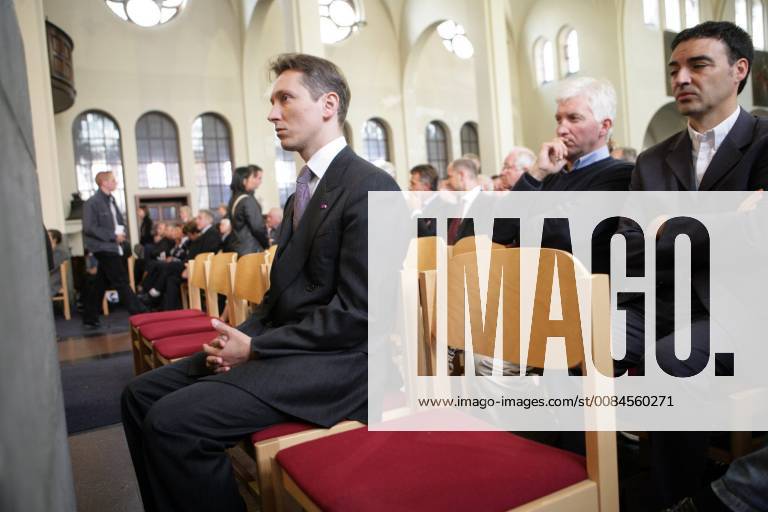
x=208 y=240
x=723 y=148
x=424 y=179
x=104 y=233
x=303 y=354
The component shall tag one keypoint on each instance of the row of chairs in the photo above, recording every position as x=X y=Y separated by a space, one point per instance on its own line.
x=160 y=338
x=64 y=293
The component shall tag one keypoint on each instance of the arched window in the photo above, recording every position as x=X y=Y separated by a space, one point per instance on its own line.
x=212 y=146
x=740 y=14
x=544 y=59
x=470 y=141
x=375 y=141
x=437 y=146
x=96 y=139
x=651 y=13
x=672 y=15
x=157 y=145
x=569 y=49
x=758 y=25
x=347 y=130
x=692 y=17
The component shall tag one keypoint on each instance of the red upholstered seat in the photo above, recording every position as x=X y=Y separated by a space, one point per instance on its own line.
x=157 y=330
x=428 y=471
x=159 y=316
x=281 y=429
x=184 y=345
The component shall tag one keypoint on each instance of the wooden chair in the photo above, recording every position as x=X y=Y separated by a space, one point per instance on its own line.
x=131 y=283
x=63 y=296
x=489 y=470
x=249 y=283
x=196 y=279
x=183 y=338
x=219 y=283
x=249 y=278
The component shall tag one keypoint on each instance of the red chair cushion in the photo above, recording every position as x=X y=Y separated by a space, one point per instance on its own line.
x=185 y=345
x=157 y=330
x=428 y=471
x=281 y=429
x=159 y=316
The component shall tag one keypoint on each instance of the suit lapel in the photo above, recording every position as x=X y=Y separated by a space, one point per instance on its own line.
x=680 y=161
x=323 y=201
x=729 y=153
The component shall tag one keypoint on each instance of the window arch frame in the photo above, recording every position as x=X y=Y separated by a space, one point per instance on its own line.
x=365 y=141
x=441 y=164
x=543 y=54
x=122 y=197
x=465 y=143
x=164 y=140
x=564 y=46
x=224 y=186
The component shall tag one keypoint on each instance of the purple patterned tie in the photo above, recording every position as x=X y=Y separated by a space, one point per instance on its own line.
x=302 y=195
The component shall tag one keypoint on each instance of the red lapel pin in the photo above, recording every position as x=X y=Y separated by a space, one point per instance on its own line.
x=323 y=206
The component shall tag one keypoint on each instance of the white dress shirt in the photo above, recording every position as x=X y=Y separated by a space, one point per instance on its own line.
x=319 y=162
x=706 y=144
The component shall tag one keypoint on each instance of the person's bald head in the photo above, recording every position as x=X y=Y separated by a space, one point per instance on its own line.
x=274 y=217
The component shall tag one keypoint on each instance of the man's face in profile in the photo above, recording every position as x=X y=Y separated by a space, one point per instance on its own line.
x=296 y=115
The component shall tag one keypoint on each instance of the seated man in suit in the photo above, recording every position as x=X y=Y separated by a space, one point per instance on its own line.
x=207 y=241
x=303 y=354
x=723 y=148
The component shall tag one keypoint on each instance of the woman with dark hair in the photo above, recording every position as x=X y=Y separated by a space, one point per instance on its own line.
x=245 y=212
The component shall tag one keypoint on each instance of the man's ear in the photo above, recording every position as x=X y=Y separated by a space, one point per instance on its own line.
x=330 y=105
x=605 y=127
x=741 y=68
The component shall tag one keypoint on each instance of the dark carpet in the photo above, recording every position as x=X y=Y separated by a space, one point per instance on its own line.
x=115 y=323
x=92 y=391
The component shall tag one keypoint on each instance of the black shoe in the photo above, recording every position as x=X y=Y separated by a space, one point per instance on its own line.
x=92 y=324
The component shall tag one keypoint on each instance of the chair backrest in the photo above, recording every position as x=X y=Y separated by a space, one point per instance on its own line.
x=469 y=244
x=271 y=253
x=219 y=283
x=197 y=279
x=249 y=283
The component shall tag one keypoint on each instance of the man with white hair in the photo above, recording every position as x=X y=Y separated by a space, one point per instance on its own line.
x=518 y=161
x=578 y=158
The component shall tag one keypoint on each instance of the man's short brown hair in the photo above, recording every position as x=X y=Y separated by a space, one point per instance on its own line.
x=427 y=175
x=319 y=76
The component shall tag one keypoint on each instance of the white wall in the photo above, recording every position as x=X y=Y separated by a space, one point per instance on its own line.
x=184 y=68
x=597 y=27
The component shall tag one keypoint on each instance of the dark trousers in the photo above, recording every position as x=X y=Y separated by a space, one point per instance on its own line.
x=112 y=273
x=172 y=289
x=178 y=427
x=678 y=458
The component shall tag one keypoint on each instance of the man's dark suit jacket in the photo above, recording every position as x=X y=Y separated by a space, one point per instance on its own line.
x=310 y=336
x=210 y=241
x=740 y=163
